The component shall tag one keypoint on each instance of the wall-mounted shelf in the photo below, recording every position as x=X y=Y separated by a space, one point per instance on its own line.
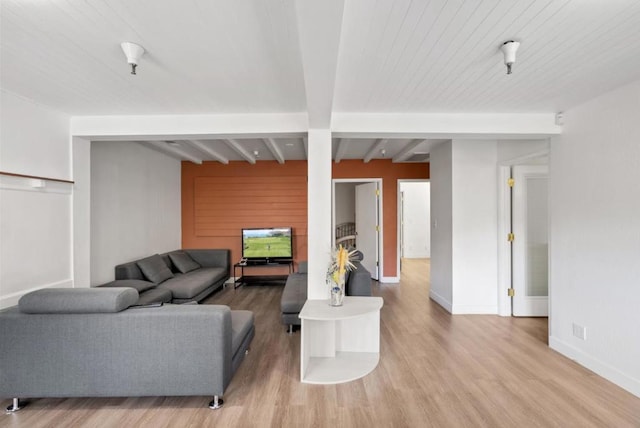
x=35 y=177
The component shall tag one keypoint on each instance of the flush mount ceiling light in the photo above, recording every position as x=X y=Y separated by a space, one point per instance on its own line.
x=133 y=53
x=509 y=49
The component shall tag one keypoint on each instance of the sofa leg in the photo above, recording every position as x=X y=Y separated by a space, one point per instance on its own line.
x=216 y=403
x=290 y=328
x=15 y=406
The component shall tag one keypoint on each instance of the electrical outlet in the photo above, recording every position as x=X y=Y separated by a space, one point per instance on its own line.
x=579 y=331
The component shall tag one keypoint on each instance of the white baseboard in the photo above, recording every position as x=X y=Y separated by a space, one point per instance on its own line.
x=462 y=309
x=389 y=279
x=440 y=300
x=603 y=369
x=12 y=299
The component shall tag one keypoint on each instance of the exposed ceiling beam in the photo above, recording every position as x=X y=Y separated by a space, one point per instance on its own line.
x=342 y=149
x=444 y=125
x=208 y=150
x=241 y=151
x=319 y=28
x=274 y=149
x=375 y=149
x=176 y=148
x=407 y=150
x=172 y=149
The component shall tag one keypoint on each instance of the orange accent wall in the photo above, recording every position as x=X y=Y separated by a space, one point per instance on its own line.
x=390 y=173
x=219 y=200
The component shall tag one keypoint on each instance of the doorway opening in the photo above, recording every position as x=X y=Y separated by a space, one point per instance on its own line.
x=357 y=212
x=414 y=227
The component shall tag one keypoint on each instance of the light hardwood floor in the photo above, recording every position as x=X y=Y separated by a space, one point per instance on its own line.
x=435 y=370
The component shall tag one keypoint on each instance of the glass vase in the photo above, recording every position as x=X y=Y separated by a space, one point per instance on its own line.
x=337 y=291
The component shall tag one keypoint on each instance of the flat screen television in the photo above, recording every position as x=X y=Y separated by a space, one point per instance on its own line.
x=268 y=244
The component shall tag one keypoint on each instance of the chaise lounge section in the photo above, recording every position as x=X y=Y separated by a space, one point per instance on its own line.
x=93 y=342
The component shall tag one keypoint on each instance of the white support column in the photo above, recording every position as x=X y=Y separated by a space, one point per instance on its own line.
x=319 y=212
x=81 y=164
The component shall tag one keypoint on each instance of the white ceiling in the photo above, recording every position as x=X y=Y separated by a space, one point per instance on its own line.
x=254 y=56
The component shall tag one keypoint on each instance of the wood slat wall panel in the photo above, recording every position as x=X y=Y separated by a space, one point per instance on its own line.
x=257 y=187
x=241 y=204
x=219 y=200
x=209 y=216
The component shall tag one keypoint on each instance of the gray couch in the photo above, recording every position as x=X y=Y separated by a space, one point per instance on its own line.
x=178 y=276
x=92 y=342
x=294 y=295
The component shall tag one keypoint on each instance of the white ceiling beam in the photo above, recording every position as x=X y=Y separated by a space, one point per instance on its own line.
x=208 y=150
x=407 y=150
x=241 y=150
x=342 y=149
x=319 y=29
x=173 y=150
x=375 y=149
x=174 y=147
x=274 y=149
x=445 y=126
x=193 y=126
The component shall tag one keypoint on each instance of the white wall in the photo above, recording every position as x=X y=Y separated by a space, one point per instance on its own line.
x=595 y=236
x=135 y=205
x=510 y=151
x=475 y=227
x=345 y=199
x=464 y=264
x=441 y=176
x=416 y=223
x=35 y=223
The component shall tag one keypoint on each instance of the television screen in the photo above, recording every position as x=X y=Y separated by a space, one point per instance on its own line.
x=267 y=243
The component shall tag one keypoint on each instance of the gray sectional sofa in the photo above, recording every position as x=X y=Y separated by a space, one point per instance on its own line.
x=178 y=276
x=93 y=342
x=294 y=295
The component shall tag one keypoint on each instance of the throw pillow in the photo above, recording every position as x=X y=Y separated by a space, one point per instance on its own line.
x=154 y=269
x=183 y=261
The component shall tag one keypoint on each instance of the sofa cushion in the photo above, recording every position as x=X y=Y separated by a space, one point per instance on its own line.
x=359 y=283
x=183 y=261
x=139 y=284
x=77 y=300
x=189 y=285
x=294 y=294
x=155 y=269
x=155 y=295
x=241 y=323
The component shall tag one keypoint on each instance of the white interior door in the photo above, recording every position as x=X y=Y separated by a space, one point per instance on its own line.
x=531 y=243
x=367 y=225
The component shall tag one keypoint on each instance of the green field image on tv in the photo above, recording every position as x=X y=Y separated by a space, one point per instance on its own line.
x=267 y=246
